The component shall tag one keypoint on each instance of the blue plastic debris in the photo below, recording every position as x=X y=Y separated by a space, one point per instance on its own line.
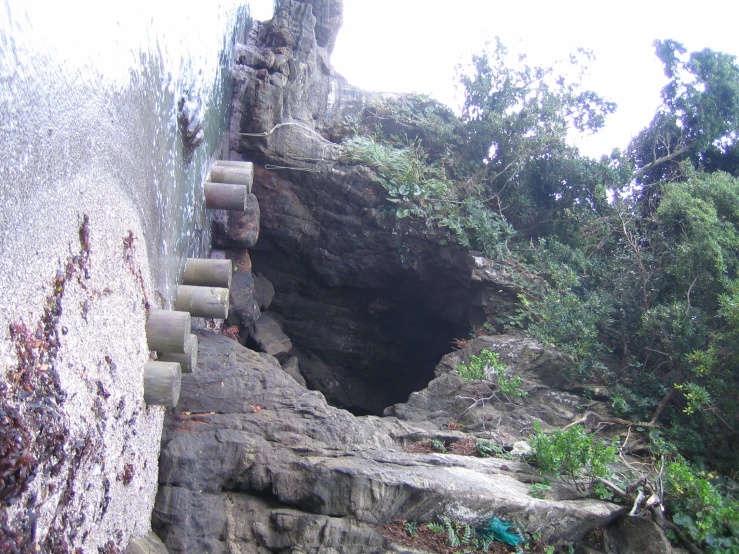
x=498 y=530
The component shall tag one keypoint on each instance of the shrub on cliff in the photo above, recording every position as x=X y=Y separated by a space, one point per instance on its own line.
x=573 y=454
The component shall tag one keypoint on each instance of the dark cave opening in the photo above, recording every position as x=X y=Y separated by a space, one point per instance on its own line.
x=364 y=348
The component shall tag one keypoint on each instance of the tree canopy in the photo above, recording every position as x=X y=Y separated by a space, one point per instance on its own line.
x=699 y=117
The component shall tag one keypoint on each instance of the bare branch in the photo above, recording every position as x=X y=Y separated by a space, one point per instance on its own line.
x=659 y=161
x=661 y=407
x=604 y=419
x=475 y=404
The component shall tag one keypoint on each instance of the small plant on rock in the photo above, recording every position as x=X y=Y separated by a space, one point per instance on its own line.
x=437 y=445
x=487 y=365
x=571 y=453
x=411 y=528
x=487 y=449
x=539 y=490
x=458 y=534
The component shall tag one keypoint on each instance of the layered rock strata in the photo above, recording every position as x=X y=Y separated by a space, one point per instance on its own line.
x=254 y=462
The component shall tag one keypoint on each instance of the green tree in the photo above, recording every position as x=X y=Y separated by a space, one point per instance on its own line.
x=699 y=116
x=518 y=118
x=652 y=275
x=673 y=288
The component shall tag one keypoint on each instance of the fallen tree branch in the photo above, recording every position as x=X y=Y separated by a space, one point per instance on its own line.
x=663 y=404
x=637 y=501
x=615 y=489
x=604 y=419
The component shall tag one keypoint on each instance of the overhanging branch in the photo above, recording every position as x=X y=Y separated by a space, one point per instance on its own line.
x=659 y=161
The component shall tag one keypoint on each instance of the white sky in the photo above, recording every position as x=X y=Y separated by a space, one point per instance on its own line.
x=413 y=45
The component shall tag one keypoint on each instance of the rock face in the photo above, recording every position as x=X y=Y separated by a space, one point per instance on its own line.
x=448 y=397
x=369 y=302
x=363 y=307
x=254 y=462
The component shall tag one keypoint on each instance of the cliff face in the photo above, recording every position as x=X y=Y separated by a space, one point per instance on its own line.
x=350 y=307
x=370 y=302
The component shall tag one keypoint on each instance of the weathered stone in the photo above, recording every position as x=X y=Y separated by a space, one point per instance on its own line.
x=245 y=429
x=268 y=336
x=239 y=258
x=264 y=291
x=636 y=535
x=244 y=307
x=249 y=524
x=148 y=544
x=584 y=549
x=447 y=398
x=291 y=366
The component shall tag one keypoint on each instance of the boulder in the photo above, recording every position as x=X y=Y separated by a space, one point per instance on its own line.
x=244 y=309
x=250 y=457
x=447 y=398
x=235 y=229
x=146 y=544
x=636 y=535
x=291 y=366
x=268 y=336
x=264 y=291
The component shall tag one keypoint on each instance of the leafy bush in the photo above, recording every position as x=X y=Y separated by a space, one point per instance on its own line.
x=486 y=449
x=650 y=277
x=475 y=369
x=571 y=323
x=422 y=189
x=572 y=453
x=488 y=366
x=704 y=515
x=402 y=172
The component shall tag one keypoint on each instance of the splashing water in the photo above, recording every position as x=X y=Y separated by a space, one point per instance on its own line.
x=89 y=83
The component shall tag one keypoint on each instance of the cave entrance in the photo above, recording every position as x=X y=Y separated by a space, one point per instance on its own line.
x=399 y=357
x=364 y=349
